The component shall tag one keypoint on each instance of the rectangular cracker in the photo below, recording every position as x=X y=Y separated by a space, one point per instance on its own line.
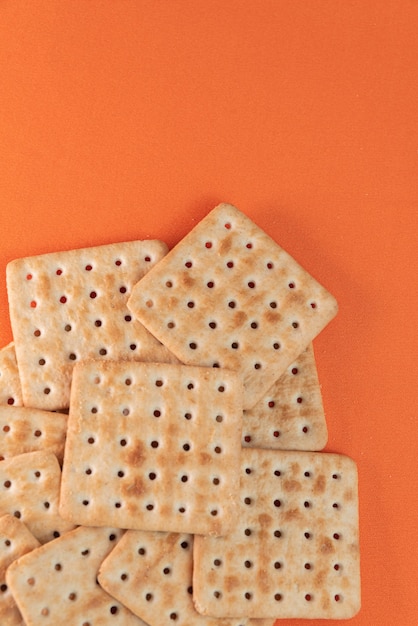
x=229 y=296
x=68 y=306
x=153 y=446
x=291 y=414
x=15 y=541
x=23 y=429
x=56 y=583
x=151 y=573
x=294 y=551
x=29 y=490
x=10 y=387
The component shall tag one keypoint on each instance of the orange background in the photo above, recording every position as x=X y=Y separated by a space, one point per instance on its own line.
x=122 y=120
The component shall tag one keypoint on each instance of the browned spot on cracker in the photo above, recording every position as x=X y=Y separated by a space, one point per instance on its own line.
x=348 y=495
x=326 y=546
x=292 y=514
x=187 y=280
x=231 y=582
x=239 y=318
x=136 y=455
x=320 y=578
x=320 y=483
x=291 y=485
x=205 y=458
x=265 y=519
x=272 y=317
x=225 y=245
x=295 y=467
x=135 y=488
x=264 y=580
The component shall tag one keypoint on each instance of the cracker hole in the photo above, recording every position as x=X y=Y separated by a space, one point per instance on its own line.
x=277 y=503
x=210 y=284
x=171 y=325
x=217 y=594
x=336 y=536
x=305 y=429
x=90 y=440
x=7 y=484
x=141 y=551
x=308 y=566
x=122 y=289
x=72 y=596
x=276 y=433
x=278 y=597
x=227 y=226
x=85 y=502
x=277 y=565
x=235 y=345
x=128 y=318
x=56 y=534
x=313 y=305
x=190 y=304
x=6 y=428
x=335 y=505
x=169 y=284
x=58 y=272
x=247 y=501
x=249 y=245
x=307 y=504
x=232 y=304
x=217 y=562
x=248 y=470
x=46 y=505
x=188 y=264
x=38 y=433
x=124 y=577
x=182 y=509
x=277 y=473
x=184 y=478
x=173 y=616
x=118 y=505
x=337 y=597
x=337 y=567
x=7 y=543
x=271 y=404
x=248 y=595
x=37 y=332
x=149 y=597
x=276 y=345
x=72 y=356
x=216 y=364
x=212 y=324
x=88 y=268
x=112 y=537
x=295 y=324
x=248 y=564
x=93 y=294
x=31 y=581
x=184 y=545
x=190 y=386
x=251 y=284
x=247 y=438
x=45 y=611
x=257 y=366
x=188 y=416
x=190 y=590
x=219 y=418
x=221 y=388
x=308 y=597
x=67 y=328
x=147 y=259
x=114 y=609
x=126 y=412
x=270 y=265
x=29 y=276
x=157 y=413
x=247 y=532
x=10 y=401
x=218 y=449
x=291 y=285
x=154 y=444
x=63 y=299
x=277 y=534
x=121 y=473
x=230 y=264
x=85 y=552
x=307 y=474
x=149 y=304
x=193 y=345
x=150 y=507
x=159 y=383
x=123 y=442
x=307 y=535
x=295 y=371
x=128 y=381
x=214 y=512
x=102 y=351
x=254 y=325
x=208 y=245
x=186 y=447
x=33 y=304
x=336 y=476
x=89 y=471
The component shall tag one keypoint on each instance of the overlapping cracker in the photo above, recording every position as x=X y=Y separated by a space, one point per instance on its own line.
x=291 y=414
x=294 y=551
x=56 y=584
x=68 y=306
x=151 y=574
x=227 y=295
x=23 y=429
x=153 y=447
x=10 y=387
x=15 y=541
x=29 y=490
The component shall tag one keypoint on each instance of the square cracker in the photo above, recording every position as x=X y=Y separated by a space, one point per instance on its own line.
x=10 y=387
x=15 y=540
x=151 y=573
x=291 y=414
x=153 y=446
x=68 y=306
x=29 y=490
x=294 y=551
x=227 y=295
x=56 y=584
x=23 y=429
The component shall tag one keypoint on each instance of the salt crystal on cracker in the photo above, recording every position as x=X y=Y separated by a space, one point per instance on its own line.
x=10 y=387
x=291 y=414
x=29 y=490
x=152 y=446
x=68 y=306
x=15 y=541
x=23 y=429
x=56 y=584
x=294 y=551
x=229 y=296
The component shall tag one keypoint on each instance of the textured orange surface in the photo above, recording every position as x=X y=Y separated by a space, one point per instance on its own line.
x=129 y=119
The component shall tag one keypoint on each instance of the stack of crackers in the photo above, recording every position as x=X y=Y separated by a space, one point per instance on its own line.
x=161 y=424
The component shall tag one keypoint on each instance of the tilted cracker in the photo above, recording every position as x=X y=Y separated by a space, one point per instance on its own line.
x=151 y=573
x=10 y=387
x=23 y=429
x=68 y=306
x=29 y=490
x=15 y=540
x=152 y=446
x=56 y=584
x=294 y=551
x=227 y=295
x=291 y=414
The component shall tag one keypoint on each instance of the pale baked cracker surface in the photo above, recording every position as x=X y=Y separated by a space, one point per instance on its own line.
x=29 y=490
x=68 y=306
x=23 y=429
x=15 y=540
x=291 y=414
x=153 y=446
x=10 y=387
x=228 y=295
x=56 y=584
x=294 y=551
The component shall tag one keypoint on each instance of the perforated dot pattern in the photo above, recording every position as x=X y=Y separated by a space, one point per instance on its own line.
x=151 y=573
x=68 y=306
x=294 y=551
x=160 y=451
x=65 y=570
x=291 y=414
x=231 y=297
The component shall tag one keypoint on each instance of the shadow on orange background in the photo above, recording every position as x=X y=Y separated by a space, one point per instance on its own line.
x=123 y=120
